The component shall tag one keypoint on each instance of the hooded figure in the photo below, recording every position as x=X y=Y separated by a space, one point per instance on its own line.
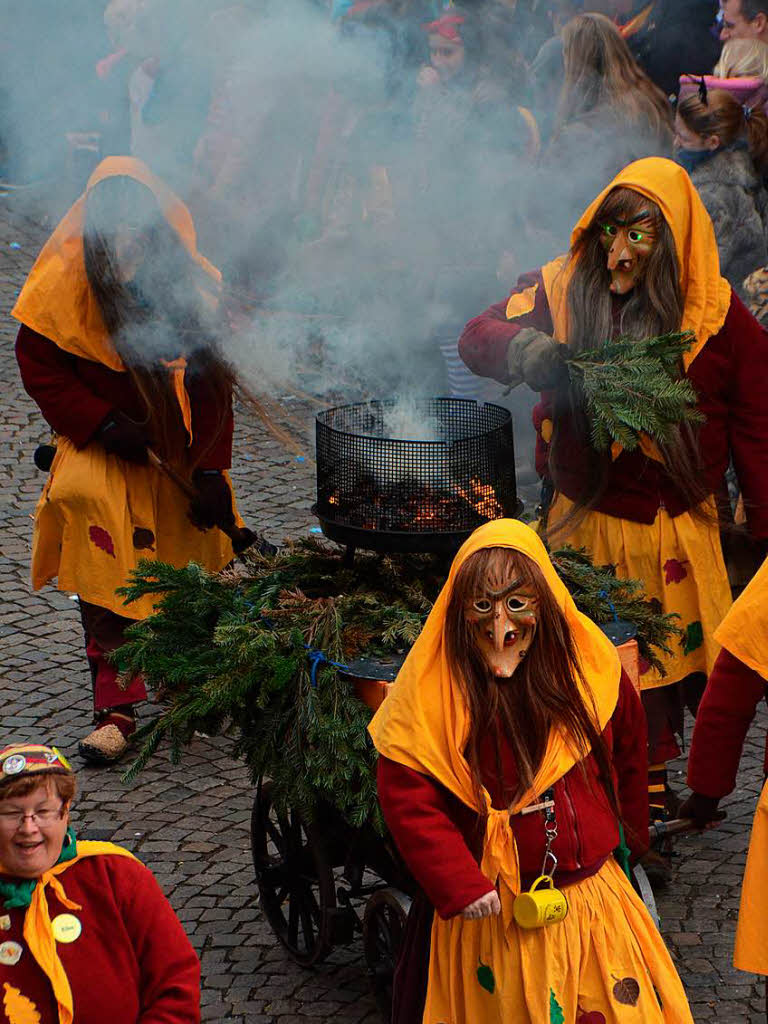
x=117 y=348
x=513 y=737
x=643 y=262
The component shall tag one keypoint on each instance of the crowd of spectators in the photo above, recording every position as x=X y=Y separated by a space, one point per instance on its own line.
x=401 y=153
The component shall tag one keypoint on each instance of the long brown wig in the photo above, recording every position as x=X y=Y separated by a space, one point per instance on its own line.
x=543 y=694
x=157 y=316
x=654 y=307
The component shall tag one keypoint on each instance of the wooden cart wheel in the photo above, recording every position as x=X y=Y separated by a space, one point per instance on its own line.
x=383 y=928
x=295 y=879
x=642 y=887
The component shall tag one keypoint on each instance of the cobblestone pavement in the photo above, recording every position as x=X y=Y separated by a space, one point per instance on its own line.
x=191 y=824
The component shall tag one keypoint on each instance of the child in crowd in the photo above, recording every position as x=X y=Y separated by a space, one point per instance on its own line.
x=724 y=147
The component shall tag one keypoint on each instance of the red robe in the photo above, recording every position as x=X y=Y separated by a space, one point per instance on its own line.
x=132 y=963
x=728 y=378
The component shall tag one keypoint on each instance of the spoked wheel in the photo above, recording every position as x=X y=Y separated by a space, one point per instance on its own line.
x=383 y=928
x=643 y=888
x=295 y=879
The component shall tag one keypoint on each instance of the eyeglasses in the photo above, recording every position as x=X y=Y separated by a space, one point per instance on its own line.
x=42 y=818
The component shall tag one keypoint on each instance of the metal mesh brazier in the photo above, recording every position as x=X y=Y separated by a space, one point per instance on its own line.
x=398 y=494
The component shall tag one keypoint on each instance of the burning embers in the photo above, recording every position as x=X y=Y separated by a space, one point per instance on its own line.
x=417 y=493
x=410 y=505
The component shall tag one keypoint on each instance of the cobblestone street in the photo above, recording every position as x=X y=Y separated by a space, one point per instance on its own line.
x=190 y=824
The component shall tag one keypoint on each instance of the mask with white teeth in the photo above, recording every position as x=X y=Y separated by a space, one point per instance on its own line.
x=504 y=624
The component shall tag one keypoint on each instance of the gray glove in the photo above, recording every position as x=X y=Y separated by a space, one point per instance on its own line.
x=536 y=359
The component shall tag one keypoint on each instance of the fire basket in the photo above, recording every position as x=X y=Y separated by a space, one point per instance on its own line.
x=385 y=493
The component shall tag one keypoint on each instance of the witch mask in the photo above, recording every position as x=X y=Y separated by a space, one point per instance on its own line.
x=629 y=238
x=502 y=619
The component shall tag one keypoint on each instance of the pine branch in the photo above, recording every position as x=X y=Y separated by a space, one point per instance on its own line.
x=227 y=653
x=633 y=388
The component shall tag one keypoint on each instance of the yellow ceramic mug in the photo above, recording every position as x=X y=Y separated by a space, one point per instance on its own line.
x=540 y=907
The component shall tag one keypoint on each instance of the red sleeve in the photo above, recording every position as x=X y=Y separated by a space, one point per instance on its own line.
x=50 y=379
x=169 y=981
x=630 y=759
x=724 y=716
x=212 y=425
x=418 y=813
x=484 y=342
x=748 y=415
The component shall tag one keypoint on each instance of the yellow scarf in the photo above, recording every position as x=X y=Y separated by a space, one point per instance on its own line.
x=38 y=931
x=423 y=724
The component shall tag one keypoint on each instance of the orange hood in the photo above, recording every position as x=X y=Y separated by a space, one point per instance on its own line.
x=424 y=722
x=57 y=301
x=706 y=294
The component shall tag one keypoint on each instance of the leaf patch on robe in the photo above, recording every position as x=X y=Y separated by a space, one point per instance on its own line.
x=102 y=539
x=674 y=571
x=694 y=638
x=593 y=1017
x=19 y=1009
x=556 y=1015
x=626 y=991
x=143 y=539
x=485 y=978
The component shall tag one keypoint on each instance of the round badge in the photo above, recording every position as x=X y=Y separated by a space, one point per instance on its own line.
x=10 y=953
x=66 y=928
x=14 y=764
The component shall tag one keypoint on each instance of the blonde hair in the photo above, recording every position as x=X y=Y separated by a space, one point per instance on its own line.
x=743 y=58
x=600 y=72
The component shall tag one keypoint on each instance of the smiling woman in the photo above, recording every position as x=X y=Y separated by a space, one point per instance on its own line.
x=60 y=896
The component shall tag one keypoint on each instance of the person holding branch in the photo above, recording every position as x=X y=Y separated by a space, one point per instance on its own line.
x=118 y=347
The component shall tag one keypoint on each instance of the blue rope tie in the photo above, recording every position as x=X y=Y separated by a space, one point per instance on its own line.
x=604 y=595
x=316 y=659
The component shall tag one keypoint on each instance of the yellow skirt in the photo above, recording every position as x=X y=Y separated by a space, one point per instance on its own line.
x=751 y=953
x=604 y=964
x=680 y=562
x=99 y=515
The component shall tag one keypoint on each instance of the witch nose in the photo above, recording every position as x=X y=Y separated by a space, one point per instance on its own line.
x=619 y=251
x=500 y=629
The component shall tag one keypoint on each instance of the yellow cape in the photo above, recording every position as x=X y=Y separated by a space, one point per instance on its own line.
x=744 y=630
x=38 y=931
x=423 y=724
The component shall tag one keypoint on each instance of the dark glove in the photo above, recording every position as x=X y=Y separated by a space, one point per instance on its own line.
x=122 y=436
x=212 y=506
x=537 y=359
x=702 y=810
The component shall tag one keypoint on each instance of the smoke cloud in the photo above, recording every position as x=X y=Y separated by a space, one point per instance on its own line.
x=360 y=212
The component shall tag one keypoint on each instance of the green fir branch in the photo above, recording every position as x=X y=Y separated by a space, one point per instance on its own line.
x=226 y=654
x=633 y=388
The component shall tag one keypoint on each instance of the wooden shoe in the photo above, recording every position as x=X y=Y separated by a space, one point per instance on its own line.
x=108 y=742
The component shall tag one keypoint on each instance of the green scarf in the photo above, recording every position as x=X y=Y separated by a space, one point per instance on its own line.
x=18 y=892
